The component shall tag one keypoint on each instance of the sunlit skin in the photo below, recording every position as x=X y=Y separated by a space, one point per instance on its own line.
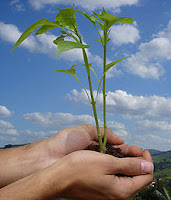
x=59 y=167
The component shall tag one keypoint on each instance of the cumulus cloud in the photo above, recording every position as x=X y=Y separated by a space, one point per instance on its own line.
x=127 y=105
x=118 y=128
x=7 y=140
x=147 y=62
x=124 y=34
x=6 y=128
x=38 y=134
x=44 y=44
x=4 y=112
x=88 y=4
x=155 y=126
x=149 y=141
x=41 y=43
x=17 y=5
x=5 y=124
x=63 y=120
x=10 y=33
x=57 y=120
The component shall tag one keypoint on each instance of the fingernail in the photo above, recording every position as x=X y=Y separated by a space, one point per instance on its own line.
x=146 y=167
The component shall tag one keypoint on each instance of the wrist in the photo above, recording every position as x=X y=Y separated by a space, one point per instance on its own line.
x=20 y=162
x=59 y=179
x=48 y=183
x=38 y=155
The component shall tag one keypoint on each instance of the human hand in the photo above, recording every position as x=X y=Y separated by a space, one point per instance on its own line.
x=92 y=175
x=73 y=139
x=36 y=156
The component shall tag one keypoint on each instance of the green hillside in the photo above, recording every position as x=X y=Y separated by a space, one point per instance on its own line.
x=162 y=167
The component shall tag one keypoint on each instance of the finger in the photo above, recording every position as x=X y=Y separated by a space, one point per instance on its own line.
x=130 y=166
x=147 y=156
x=111 y=137
x=129 y=150
x=128 y=186
x=141 y=170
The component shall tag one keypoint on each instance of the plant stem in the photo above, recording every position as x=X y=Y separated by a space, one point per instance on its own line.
x=104 y=89
x=93 y=102
x=92 y=98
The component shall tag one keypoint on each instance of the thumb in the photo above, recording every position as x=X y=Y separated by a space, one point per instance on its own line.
x=131 y=166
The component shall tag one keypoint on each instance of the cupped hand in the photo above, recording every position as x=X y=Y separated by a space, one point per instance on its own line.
x=92 y=175
x=77 y=138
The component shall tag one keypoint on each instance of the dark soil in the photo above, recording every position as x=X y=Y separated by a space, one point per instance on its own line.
x=109 y=150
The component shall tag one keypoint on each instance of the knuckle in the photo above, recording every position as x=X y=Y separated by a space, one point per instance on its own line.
x=86 y=127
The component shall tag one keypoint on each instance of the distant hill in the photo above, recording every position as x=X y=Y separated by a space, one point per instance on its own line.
x=12 y=146
x=154 y=152
x=162 y=166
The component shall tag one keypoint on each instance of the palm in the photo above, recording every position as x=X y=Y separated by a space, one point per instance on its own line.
x=78 y=138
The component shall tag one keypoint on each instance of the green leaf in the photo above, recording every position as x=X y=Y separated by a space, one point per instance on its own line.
x=73 y=66
x=63 y=32
x=68 y=71
x=105 y=17
x=100 y=41
x=91 y=18
x=108 y=66
x=66 y=18
x=123 y=20
x=109 y=19
x=46 y=28
x=67 y=45
x=58 y=39
x=29 y=30
x=70 y=35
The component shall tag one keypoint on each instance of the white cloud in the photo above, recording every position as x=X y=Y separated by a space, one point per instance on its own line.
x=88 y=4
x=141 y=66
x=10 y=33
x=58 y=120
x=38 y=134
x=149 y=141
x=4 y=112
x=6 y=128
x=40 y=43
x=8 y=131
x=147 y=62
x=127 y=105
x=118 y=128
x=17 y=5
x=63 y=120
x=124 y=34
x=14 y=2
x=20 y=7
x=7 y=140
x=5 y=124
x=155 y=126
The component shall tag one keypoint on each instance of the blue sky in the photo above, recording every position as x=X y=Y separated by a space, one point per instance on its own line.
x=36 y=101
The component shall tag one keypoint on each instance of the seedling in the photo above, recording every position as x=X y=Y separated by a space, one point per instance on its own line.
x=65 y=21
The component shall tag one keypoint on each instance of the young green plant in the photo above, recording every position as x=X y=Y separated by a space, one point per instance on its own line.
x=65 y=21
